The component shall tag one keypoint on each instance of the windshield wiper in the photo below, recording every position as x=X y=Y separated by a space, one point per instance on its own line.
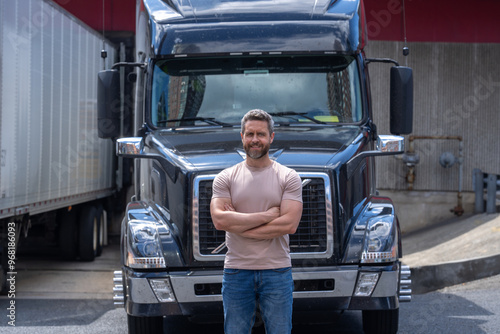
x=293 y=113
x=208 y=120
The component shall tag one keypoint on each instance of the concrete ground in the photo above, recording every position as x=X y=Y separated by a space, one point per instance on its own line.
x=49 y=277
x=455 y=251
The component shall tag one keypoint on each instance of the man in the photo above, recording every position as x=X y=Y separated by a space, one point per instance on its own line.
x=258 y=202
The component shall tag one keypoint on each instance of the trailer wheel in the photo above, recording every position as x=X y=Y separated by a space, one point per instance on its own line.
x=144 y=325
x=89 y=233
x=68 y=234
x=100 y=237
x=381 y=321
x=3 y=281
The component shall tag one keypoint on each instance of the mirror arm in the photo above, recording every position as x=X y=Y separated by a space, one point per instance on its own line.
x=354 y=162
x=125 y=64
x=386 y=145
x=381 y=60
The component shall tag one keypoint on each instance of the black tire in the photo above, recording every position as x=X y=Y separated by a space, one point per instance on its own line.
x=381 y=321
x=88 y=233
x=3 y=282
x=68 y=234
x=144 y=325
x=100 y=236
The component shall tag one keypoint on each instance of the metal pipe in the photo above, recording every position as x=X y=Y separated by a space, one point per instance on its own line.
x=478 y=178
x=491 y=186
x=410 y=176
x=458 y=210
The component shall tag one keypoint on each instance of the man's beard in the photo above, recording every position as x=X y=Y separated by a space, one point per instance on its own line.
x=256 y=154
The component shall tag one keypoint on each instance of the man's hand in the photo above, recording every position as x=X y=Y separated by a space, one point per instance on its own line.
x=228 y=207
x=286 y=223
x=274 y=211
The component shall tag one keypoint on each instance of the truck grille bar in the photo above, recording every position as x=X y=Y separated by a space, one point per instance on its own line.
x=314 y=236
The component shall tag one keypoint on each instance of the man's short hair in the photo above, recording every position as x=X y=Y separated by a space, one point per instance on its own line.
x=257 y=115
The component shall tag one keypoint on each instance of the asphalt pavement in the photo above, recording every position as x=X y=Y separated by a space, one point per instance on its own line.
x=53 y=295
x=460 y=250
x=456 y=251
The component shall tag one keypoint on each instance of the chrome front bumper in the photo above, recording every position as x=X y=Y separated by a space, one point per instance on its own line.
x=183 y=285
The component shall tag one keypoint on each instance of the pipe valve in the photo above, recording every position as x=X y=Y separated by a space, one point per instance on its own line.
x=447 y=159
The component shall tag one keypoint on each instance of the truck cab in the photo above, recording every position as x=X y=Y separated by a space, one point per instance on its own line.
x=201 y=65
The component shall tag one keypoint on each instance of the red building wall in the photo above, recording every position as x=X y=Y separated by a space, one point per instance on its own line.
x=434 y=21
x=119 y=15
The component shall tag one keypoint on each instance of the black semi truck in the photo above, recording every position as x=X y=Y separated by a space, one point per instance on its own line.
x=201 y=65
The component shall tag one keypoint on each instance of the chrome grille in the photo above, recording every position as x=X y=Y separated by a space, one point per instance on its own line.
x=312 y=232
x=209 y=237
x=314 y=236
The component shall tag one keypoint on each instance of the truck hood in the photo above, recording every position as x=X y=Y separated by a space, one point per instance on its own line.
x=213 y=150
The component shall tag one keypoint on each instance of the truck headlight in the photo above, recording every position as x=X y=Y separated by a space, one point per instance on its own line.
x=143 y=246
x=381 y=240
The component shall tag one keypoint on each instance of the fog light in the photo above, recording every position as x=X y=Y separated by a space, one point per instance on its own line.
x=163 y=290
x=366 y=284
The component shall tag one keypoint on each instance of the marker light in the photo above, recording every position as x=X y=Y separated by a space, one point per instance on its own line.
x=163 y=290
x=366 y=284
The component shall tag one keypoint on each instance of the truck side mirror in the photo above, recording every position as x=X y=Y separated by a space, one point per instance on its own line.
x=108 y=104
x=401 y=119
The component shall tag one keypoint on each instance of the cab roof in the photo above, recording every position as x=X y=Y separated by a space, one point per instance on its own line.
x=229 y=26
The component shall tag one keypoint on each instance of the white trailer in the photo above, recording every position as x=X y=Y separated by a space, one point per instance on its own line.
x=53 y=166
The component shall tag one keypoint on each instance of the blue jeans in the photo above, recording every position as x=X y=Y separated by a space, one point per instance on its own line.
x=243 y=290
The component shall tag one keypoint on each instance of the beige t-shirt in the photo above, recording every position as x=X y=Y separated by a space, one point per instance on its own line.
x=255 y=190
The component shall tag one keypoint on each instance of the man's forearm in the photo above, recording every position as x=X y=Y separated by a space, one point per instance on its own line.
x=285 y=224
x=225 y=217
x=237 y=222
x=274 y=229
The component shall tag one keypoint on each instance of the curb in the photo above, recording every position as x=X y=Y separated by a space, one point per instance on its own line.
x=434 y=277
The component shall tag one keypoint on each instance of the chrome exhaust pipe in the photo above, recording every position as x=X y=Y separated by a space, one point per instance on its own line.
x=405 y=284
x=118 y=297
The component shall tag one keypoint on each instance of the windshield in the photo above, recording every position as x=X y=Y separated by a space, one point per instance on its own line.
x=219 y=91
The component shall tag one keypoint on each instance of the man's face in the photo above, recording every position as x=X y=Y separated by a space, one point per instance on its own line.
x=256 y=139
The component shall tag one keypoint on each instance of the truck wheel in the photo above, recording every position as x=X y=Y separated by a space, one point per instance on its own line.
x=89 y=233
x=100 y=236
x=68 y=234
x=144 y=325
x=381 y=321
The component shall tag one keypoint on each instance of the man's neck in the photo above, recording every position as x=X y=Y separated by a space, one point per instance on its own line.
x=262 y=162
